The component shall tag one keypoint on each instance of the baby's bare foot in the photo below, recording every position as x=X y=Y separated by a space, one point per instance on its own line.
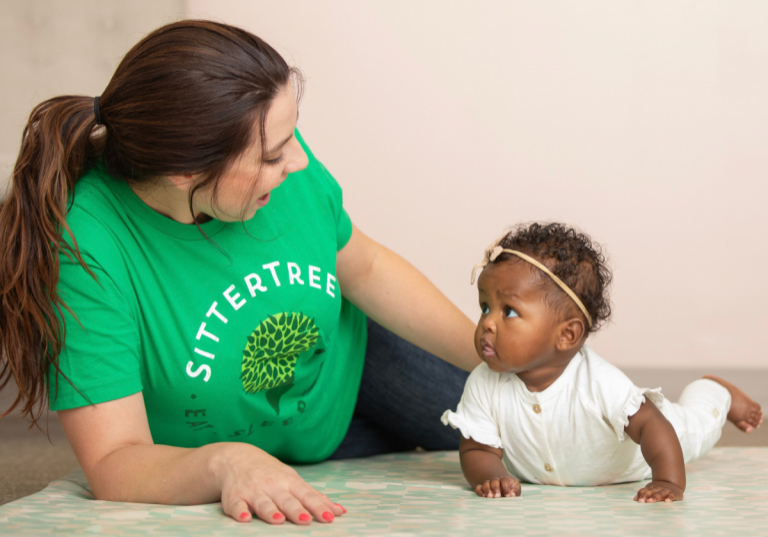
x=744 y=412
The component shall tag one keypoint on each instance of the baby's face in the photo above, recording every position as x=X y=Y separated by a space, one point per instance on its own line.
x=517 y=331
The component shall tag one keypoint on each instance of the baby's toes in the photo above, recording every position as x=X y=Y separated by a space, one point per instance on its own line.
x=745 y=426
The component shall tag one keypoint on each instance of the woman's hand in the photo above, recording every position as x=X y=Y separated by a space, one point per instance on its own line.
x=253 y=482
x=505 y=486
x=114 y=446
x=659 y=491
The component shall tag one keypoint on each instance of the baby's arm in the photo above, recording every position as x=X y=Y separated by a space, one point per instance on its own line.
x=484 y=470
x=661 y=449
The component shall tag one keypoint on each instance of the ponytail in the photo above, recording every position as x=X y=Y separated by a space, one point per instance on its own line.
x=57 y=145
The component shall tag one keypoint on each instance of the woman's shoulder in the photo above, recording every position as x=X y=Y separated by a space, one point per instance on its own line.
x=322 y=178
x=93 y=217
x=92 y=198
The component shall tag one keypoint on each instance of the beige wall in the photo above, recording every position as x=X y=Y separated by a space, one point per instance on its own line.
x=445 y=121
x=645 y=123
x=52 y=47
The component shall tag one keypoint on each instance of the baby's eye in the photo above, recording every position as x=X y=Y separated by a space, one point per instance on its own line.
x=485 y=309
x=509 y=312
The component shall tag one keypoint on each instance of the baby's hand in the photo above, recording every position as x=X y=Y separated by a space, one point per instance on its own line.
x=498 y=487
x=657 y=491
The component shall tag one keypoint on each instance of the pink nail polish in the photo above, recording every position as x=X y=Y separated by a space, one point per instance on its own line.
x=304 y=517
x=243 y=516
x=277 y=516
x=342 y=507
x=328 y=516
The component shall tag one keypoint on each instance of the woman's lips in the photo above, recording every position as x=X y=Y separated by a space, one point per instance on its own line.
x=262 y=201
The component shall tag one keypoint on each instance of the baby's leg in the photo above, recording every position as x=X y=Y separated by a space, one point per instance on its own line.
x=698 y=417
x=744 y=412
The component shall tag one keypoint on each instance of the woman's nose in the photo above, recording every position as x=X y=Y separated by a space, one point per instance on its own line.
x=298 y=158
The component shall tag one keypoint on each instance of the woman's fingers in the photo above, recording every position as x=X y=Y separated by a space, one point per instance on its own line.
x=266 y=510
x=237 y=509
x=286 y=506
x=292 y=508
x=274 y=491
x=302 y=503
x=318 y=504
x=335 y=508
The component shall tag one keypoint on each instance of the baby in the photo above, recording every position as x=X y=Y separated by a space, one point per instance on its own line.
x=545 y=408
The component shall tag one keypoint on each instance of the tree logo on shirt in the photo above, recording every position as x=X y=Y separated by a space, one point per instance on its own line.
x=269 y=358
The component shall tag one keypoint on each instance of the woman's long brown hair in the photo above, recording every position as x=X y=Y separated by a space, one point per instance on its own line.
x=184 y=100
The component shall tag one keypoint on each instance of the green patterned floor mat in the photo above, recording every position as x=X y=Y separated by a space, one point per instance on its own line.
x=425 y=494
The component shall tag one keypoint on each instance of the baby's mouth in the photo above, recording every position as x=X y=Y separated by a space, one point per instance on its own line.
x=488 y=350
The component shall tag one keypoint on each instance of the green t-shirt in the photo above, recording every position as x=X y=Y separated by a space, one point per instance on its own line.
x=243 y=337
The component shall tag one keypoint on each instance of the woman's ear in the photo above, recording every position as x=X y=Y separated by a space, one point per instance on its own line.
x=182 y=182
x=570 y=334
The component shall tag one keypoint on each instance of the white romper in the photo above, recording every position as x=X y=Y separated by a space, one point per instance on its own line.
x=572 y=433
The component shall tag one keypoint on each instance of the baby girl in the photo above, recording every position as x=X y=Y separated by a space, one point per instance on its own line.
x=545 y=408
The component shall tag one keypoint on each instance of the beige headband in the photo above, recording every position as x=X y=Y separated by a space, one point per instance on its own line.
x=495 y=251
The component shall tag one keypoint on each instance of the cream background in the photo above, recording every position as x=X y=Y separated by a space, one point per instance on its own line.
x=645 y=123
x=50 y=48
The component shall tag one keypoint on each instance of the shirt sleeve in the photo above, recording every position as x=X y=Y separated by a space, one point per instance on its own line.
x=334 y=193
x=100 y=353
x=617 y=397
x=475 y=416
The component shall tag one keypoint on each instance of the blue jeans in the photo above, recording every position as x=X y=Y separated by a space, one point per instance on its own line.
x=403 y=393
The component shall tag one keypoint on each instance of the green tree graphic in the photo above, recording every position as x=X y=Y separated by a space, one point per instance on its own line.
x=269 y=358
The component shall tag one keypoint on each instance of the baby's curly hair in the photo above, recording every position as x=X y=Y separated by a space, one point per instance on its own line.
x=574 y=258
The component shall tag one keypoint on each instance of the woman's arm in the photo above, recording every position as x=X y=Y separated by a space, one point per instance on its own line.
x=485 y=471
x=661 y=449
x=396 y=295
x=114 y=447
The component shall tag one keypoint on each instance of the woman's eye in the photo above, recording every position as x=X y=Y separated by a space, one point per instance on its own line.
x=274 y=161
x=509 y=312
x=485 y=309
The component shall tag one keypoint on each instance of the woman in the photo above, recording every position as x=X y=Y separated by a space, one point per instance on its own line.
x=181 y=277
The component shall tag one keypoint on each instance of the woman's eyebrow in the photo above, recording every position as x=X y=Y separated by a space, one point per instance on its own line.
x=281 y=144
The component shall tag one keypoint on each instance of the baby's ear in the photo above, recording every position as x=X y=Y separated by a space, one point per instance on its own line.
x=570 y=334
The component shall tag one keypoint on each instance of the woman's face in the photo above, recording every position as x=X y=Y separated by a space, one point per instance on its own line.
x=246 y=186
